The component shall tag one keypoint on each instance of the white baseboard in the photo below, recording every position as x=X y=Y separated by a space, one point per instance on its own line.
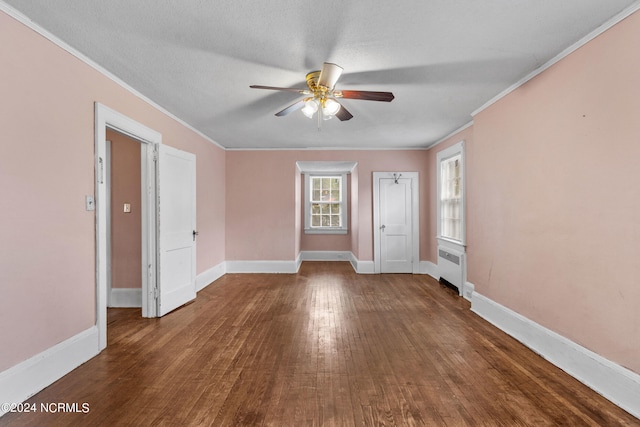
x=362 y=267
x=298 y=261
x=262 y=266
x=365 y=267
x=125 y=297
x=27 y=378
x=209 y=276
x=468 y=290
x=326 y=255
x=616 y=383
x=427 y=267
x=330 y=256
x=294 y=266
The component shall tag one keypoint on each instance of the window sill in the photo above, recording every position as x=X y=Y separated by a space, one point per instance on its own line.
x=325 y=231
x=456 y=244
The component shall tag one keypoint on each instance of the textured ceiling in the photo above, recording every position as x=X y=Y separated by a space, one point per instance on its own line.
x=442 y=59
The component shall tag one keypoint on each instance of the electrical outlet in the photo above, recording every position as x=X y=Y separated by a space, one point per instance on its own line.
x=127 y=208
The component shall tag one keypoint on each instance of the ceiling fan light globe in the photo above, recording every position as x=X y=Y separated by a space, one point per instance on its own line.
x=330 y=108
x=307 y=112
x=312 y=104
x=310 y=107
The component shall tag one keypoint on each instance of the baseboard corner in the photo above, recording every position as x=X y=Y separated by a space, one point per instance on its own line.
x=362 y=267
x=429 y=268
x=209 y=276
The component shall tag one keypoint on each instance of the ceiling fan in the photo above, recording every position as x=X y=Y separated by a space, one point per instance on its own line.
x=321 y=97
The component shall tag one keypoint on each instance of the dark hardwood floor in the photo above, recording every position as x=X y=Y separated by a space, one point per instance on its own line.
x=323 y=347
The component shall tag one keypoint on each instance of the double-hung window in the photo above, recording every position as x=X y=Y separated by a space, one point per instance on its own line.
x=325 y=204
x=451 y=209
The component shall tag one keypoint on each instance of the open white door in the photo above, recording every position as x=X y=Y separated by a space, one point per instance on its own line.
x=176 y=228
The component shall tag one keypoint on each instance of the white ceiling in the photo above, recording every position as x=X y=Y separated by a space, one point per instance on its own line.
x=442 y=59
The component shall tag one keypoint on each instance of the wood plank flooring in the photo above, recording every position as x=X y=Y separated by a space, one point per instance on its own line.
x=324 y=347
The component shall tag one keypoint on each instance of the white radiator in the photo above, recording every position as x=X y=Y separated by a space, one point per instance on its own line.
x=451 y=266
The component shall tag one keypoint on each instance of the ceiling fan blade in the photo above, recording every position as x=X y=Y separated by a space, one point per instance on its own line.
x=291 y=108
x=288 y=89
x=343 y=114
x=367 y=95
x=329 y=75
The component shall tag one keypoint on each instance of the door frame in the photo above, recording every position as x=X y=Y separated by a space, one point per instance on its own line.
x=107 y=202
x=415 y=217
x=105 y=118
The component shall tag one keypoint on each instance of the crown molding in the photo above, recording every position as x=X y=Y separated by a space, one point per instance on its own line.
x=568 y=51
x=330 y=149
x=25 y=20
x=460 y=129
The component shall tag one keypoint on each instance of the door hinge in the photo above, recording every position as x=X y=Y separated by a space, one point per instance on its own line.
x=155 y=154
x=155 y=293
x=100 y=171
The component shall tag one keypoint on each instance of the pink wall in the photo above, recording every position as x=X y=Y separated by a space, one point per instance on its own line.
x=126 y=228
x=554 y=201
x=261 y=206
x=261 y=201
x=47 y=256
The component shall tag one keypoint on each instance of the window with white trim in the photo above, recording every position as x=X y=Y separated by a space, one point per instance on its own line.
x=325 y=204
x=451 y=209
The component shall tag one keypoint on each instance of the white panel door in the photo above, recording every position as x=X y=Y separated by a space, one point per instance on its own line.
x=396 y=231
x=176 y=228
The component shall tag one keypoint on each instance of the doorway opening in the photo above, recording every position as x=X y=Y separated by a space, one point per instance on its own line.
x=106 y=118
x=125 y=245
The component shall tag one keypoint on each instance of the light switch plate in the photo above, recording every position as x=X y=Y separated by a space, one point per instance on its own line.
x=127 y=208
x=90 y=203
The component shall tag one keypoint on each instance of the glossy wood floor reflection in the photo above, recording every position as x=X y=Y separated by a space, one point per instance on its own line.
x=323 y=347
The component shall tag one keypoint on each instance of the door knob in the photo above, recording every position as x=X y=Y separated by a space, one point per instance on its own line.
x=195 y=233
x=382 y=227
